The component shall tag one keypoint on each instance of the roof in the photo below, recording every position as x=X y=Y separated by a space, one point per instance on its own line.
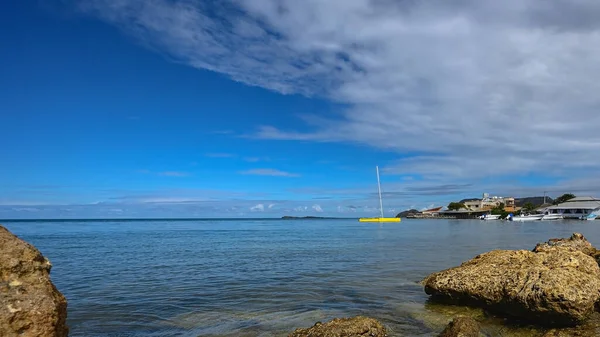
x=543 y=206
x=469 y=199
x=437 y=209
x=581 y=203
x=464 y=211
x=583 y=199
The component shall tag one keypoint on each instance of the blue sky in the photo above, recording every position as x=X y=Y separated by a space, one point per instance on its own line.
x=239 y=108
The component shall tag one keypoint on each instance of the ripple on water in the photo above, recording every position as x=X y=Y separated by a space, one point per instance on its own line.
x=266 y=278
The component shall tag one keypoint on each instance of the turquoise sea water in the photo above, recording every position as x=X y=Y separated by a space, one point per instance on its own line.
x=262 y=277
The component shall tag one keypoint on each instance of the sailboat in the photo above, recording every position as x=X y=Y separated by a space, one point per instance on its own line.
x=381 y=218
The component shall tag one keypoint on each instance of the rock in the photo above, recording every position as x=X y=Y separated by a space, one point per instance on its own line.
x=461 y=327
x=406 y=213
x=576 y=242
x=435 y=316
x=358 y=326
x=30 y=305
x=557 y=286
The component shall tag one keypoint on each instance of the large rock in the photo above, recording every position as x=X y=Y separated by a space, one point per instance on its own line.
x=556 y=286
x=461 y=327
x=576 y=242
x=358 y=326
x=30 y=305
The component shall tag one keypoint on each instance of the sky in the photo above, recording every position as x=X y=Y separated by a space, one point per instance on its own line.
x=264 y=108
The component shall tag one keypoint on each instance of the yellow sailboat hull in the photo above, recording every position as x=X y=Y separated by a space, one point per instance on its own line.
x=379 y=220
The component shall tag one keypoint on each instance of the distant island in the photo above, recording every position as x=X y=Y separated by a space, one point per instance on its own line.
x=406 y=213
x=289 y=217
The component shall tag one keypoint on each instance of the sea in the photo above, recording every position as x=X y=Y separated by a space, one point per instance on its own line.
x=267 y=277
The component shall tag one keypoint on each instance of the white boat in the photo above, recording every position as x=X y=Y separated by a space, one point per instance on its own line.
x=524 y=218
x=490 y=217
x=548 y=217
x=592 y=216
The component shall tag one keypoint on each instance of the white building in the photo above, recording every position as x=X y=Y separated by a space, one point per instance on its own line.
x=575 y=208
x=487 y=203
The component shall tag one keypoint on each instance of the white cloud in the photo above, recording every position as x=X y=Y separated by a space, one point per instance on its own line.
x=269 y=172
x=174 y=174
x=165 y=173
x=271 y=206
x=317 y=208
x=484 y=87
x=220 y=155
x=258 y=208
x=25 y=209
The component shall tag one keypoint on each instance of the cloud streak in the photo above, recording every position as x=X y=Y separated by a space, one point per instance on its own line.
x=482 y=88
x=174 y=174
x=166 y=173
x=269 y=172
x=221 y=155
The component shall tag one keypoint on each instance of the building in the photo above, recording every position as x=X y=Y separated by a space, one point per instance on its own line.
x=575 y=208
x=429 y=213
x=432 y=211
x=462 y=214
x=487 y=203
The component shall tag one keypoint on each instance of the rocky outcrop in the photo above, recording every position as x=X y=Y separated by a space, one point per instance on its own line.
x=461 y=327
x=30 y=305
x=576 y=242
x=358 y=326
x=406 y=213
x=555 y=286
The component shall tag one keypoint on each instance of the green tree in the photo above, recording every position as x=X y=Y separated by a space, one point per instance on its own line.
x=529 y=207
x=455 y=206
x=564 y=198
x=498 y=210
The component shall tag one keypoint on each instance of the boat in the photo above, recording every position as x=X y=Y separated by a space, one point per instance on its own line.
x=591 y=216
x=548 y=217
x=524 y=218
x=490 y=217
x=577 y=208
x=381 y=218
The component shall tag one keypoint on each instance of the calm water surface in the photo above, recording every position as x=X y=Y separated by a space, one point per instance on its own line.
x=262 y=277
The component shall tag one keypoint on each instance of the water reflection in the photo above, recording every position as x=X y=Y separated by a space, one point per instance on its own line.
x=266 y=278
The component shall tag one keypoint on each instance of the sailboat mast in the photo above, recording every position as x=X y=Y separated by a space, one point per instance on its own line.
x=379 y=189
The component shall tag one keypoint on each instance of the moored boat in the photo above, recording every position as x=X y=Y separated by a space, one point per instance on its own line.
x=490 y=217
x=526 y=218
x=548 y=217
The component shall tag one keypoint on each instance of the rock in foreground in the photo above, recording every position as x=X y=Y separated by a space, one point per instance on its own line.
x=358 y=326
x=556 y=286
x=576 y=242
x=461 y=327
x=30 y=305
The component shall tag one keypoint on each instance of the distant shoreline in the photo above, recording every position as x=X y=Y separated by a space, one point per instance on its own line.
x=170 y=219
x=309 y=217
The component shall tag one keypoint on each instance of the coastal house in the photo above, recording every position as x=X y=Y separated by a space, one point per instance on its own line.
x=432 y=212
x=429 y=213
x=487 y=203
x=575 y=208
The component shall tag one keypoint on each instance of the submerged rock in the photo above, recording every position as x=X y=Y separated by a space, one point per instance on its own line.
x=358 y=326
x=556 y=286
x=461 y=327
x=30 y=305
x=591 y=328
